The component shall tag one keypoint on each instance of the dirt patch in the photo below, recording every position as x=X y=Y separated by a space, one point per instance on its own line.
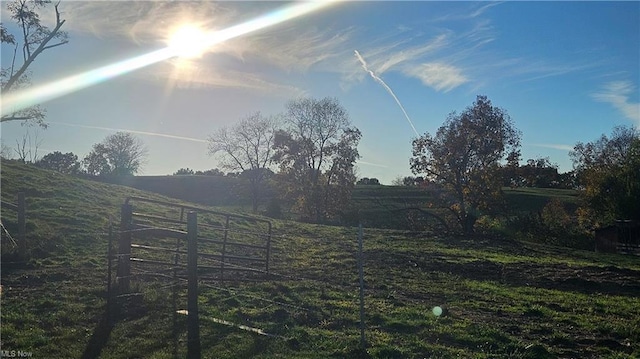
x=588 y=280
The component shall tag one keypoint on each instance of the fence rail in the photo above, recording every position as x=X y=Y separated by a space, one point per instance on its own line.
x=21 y=208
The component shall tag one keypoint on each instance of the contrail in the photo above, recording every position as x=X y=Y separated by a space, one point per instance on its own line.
x=130 y=131
x=386 y=87
x=371 y=164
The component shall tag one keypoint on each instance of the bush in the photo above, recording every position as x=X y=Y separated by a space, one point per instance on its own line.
x=552 y=225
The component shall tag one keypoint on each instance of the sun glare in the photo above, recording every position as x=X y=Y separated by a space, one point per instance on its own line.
x=188 y=42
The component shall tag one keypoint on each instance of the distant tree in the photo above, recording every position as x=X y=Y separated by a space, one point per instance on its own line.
x=463 y=157
x=608 y=170
x=398 y=181
x=32 y=40
x=316 y=153
x=183 y=171
x=368 y=181
x=568 y=180
x=27 y=147
x=510 y=171
x=246 y=147
x=211 y=172
x=61 y=162
x=540 y=173
x=6 y=152
x=118 y=154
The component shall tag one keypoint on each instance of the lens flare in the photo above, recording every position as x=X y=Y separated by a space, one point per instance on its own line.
x=188 y=42
x=17 y=101
x=437 y=311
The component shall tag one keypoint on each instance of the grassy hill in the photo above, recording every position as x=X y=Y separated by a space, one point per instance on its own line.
x=375 y=206
x=501 y=298
x=386 y=206
x=208 y=190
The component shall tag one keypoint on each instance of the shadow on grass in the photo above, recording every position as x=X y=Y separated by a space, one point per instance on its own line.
x=100 y=336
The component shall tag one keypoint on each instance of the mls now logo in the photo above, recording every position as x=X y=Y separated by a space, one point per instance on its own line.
x=15 y=354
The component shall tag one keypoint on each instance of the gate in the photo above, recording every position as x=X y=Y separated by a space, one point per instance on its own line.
x=189 y=243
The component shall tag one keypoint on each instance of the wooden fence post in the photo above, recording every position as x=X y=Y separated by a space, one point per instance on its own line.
x=22 y=225
x=124 y=249
x=193 y=324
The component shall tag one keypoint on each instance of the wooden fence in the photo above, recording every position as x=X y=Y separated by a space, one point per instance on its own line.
x=622 y=237
x=219 y=247
x=21 y=209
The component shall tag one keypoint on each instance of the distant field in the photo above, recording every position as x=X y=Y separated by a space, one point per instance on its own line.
x=501 y=298
x=209 y=190
x=384 y=206
x=376 y=206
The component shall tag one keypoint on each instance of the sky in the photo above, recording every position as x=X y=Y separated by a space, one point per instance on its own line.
x=565 y=72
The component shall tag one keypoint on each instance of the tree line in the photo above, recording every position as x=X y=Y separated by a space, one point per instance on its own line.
x=307 y=155
x=475 y=153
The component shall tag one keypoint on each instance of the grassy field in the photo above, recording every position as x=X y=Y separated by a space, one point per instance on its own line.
x=392 y=207
x=501 y=298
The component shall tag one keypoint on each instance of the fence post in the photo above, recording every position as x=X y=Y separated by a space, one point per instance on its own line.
x=363 y=343
x=224 y=248
x=124 y=249
x=193 y=325
x=268 y=250
x=22 y=225
x=109 y=255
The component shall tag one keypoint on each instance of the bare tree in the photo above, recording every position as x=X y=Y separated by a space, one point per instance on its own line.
x=317 y=153
x=34 y=39
x=247 y=147
x=6 y=152
x=27 y=148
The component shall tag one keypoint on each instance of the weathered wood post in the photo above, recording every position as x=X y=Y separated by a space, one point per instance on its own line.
x=22 y=225
x=124 y=249
x=193 y=325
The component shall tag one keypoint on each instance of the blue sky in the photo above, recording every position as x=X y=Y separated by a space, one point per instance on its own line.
x=564 y=71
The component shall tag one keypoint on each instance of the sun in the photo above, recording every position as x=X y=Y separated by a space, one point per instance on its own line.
x=188 y=41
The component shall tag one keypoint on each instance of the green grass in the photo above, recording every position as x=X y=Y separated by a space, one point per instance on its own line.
x=501 y=298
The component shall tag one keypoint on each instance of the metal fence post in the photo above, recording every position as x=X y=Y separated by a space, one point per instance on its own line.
x=109 y=258
x=193 y=325
x=224 y=248
x=22 y=225
x=363 y=342
x=268 y=250
x=124 y=249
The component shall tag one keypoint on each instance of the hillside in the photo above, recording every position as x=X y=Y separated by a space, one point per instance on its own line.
x=501 y=298
x=375 y=206
x=208 y=190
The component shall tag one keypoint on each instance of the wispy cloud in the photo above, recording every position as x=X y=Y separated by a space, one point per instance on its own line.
x=155 y=134
x=409 y=54
x=199 y=76
x=554 y=146
x=150 y=22
x=618 y=94
x=476 y=10
x=440 y=76
x=438 y=61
